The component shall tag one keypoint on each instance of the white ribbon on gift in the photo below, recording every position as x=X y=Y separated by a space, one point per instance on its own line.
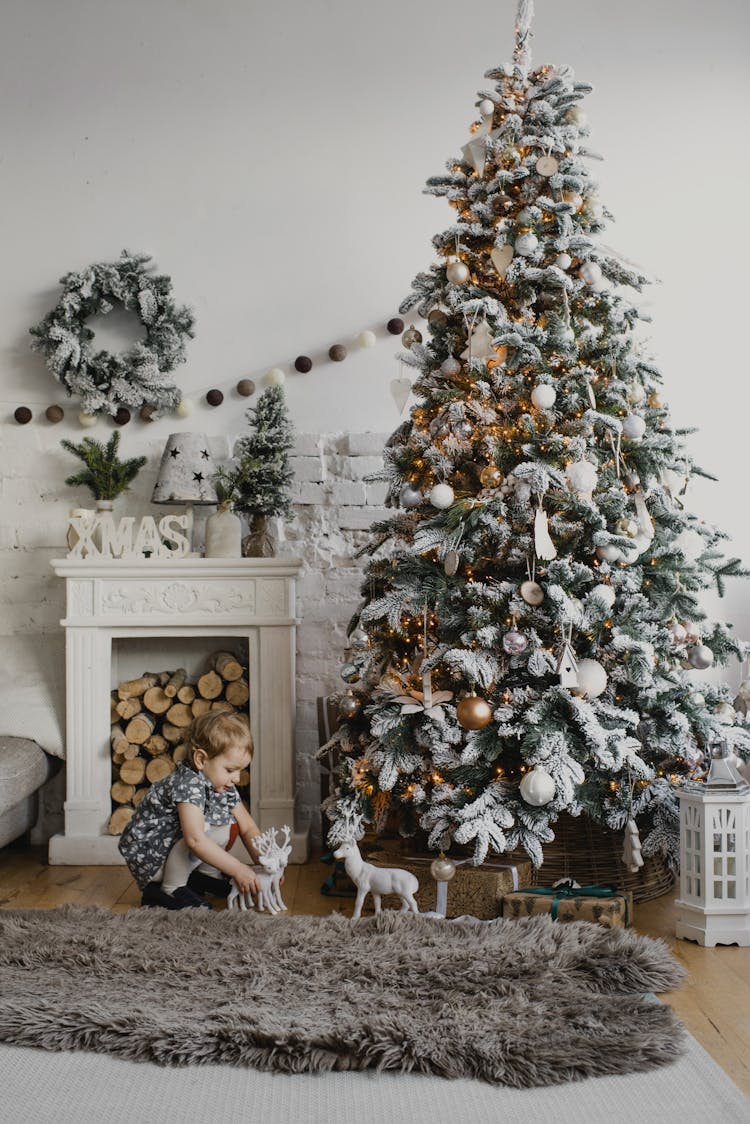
x=441 y=900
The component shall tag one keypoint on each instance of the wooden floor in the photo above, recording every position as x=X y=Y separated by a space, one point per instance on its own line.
x=714 y=1004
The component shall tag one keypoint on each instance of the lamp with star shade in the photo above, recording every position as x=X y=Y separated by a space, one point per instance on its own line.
x=186 y=473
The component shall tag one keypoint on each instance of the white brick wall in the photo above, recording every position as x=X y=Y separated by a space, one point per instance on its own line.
x=334 y=507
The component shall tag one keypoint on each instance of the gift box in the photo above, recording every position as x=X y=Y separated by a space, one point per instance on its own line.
x=473 y=890
x=602 y=904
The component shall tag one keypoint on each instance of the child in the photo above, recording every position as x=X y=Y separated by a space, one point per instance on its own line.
x=185 y=819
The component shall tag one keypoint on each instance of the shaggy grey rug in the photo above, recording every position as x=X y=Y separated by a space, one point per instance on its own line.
x=518 y=1003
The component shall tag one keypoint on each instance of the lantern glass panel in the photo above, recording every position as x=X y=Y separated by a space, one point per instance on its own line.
x=717 y=890
x=718 y=866
x=717 y=841
x=730 y=842
x=697 y=864
x=731 y=889
x=731 y=866
x=697 y=887
x=689 y=839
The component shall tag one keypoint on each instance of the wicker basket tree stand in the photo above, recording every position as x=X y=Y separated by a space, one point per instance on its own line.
x=591 y=854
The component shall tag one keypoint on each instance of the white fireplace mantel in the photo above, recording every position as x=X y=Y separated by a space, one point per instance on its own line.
x=245 y=598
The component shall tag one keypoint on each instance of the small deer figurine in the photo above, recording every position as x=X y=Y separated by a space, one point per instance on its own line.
x=376 y=880
x=272 y=862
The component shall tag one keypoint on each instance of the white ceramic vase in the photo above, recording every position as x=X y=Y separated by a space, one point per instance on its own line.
x=223 y=535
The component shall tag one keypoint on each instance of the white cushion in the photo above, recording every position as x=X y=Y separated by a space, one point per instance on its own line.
x=32 y=690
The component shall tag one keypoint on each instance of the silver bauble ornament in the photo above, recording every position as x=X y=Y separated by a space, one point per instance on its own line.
x=359 y=640
x=442 y=496
x=537 y=787
x=411 y=336
x=514 y=642
x=409 y=497
x=700 y=657
x=350 y=673
x=450 y=366
x=349 y=707
x=442 y=869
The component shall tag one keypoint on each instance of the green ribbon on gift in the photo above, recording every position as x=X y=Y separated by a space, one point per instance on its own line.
x=561 y=893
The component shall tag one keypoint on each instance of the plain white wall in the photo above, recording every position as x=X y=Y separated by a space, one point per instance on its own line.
x=272 y=157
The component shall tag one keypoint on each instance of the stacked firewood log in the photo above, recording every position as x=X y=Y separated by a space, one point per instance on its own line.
x=151 y=717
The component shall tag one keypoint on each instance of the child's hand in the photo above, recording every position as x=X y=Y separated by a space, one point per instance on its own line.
x=246 y=879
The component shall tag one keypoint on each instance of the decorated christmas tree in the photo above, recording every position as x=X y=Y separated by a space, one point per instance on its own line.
x=531 y=636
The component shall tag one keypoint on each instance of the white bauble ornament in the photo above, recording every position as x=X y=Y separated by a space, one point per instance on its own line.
x=592 y=678
x=367 y=338
x=563 y=261
x=543 y=396
x=442 y=496
x=726 y=713
x=443 y=869
x=409 y=497
x=86 y=420
x=689 y=543
x=590 y=272
x=537 y=787
x=698 y=699
x=678 y=632
x=450 y=366
x=184 y=408
x=636 y=393
x=633 y=427
x=574 y=198
x=605 y=593
x=581 y=476
x=457 y=273
x=359 y=640
x=275 y=377
x=576 y=116
x=531 y=592
x=607 y=552
x=526 y=243
x=693 y=631
x=486 y=107
x=700 y=657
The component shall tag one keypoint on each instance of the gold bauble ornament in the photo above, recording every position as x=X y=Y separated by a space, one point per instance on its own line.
x=442 y=868
x=473 y=713
x=490 y=476
x=654 y=401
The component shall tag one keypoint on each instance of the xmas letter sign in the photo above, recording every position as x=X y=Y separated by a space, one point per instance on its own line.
x=101 y=537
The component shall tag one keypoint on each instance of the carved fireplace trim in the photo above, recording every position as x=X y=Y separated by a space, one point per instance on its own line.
x=247 y=598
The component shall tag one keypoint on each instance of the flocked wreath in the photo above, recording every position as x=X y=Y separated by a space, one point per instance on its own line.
x=136 y=377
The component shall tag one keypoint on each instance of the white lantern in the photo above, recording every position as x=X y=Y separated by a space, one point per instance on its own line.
x=714 y=903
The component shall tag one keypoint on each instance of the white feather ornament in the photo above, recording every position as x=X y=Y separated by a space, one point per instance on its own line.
x=543 y=544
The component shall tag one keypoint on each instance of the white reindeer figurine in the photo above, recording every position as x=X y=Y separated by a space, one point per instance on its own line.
x=272 y=863
x=376 y=880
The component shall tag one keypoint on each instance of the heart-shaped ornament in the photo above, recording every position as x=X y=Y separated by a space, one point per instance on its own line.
x=501 y=257
x=400 y=391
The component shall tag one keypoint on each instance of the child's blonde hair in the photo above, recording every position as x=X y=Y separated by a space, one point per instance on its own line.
x=217 y=731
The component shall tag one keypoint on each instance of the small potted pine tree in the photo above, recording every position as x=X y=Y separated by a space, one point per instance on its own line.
x=258 y=482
